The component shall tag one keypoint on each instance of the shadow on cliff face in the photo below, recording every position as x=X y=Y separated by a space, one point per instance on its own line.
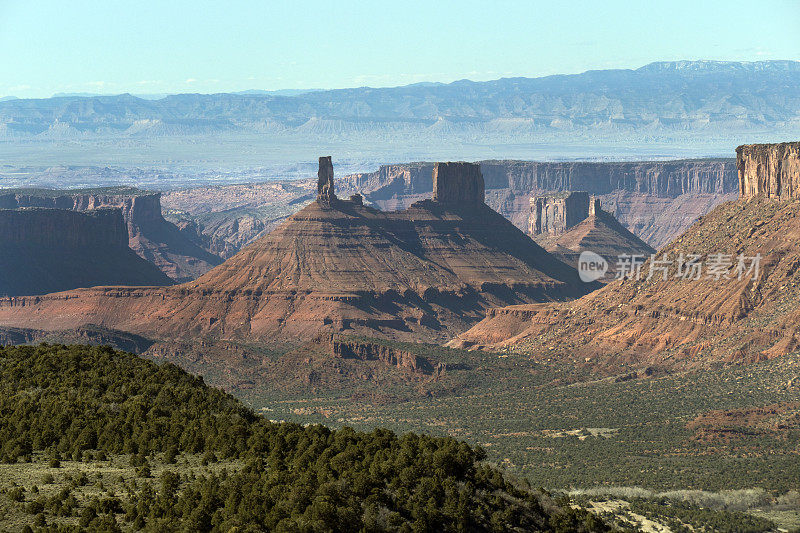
x=495 y=232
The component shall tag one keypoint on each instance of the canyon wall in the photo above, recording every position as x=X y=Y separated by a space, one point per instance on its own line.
x=658 y=178
x=656 y=200
x=47 y=250
x=769 y=170
x=174 y=252
x=63 y=228
x=138 y=208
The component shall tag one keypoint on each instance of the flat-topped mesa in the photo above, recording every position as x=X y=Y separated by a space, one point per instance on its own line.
x=62 y=228
x=458 y=183
x=769 y=170
x=325 y=194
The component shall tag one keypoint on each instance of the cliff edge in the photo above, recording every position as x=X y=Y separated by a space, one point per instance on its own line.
x=739 y=304
x=149 y=234
x=48 y=250
x=769 y=170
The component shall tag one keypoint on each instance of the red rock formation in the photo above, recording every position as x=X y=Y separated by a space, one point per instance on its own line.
x=149 y=234
x=678 y=321
x=600 y=233
x=48 y=250
x=656 y=200
x=415 y=274
x=325 y=188
x=458 y=183
x=769 y=170
x=554 y=215
x=232 y=216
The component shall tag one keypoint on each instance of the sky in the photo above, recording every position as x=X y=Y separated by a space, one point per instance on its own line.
x=177 y=46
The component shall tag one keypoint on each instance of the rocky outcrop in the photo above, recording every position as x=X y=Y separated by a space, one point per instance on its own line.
x=656 y=200
x=89 y=334
x=418 y=274
x=769 y=170
x=601 y=234
x=49 y=250
x=594 y=207
x=458 y=183
x=554 y=215
x=371 y=351
x=149 y=234
x=325 y=189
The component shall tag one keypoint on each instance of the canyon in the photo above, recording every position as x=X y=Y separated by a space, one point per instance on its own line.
x=743 y=311
x=176 y=253
x=655 y=200
x=423 y=273
x=49 y=250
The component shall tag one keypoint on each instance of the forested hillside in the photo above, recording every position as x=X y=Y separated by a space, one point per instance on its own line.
x=221 y=467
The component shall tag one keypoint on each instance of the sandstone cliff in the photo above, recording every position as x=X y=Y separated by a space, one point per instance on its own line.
x=769 y=170
x=149 y=234
x=61 y=228
x=458 y=183
x=48 y=250
x=655 y=200
x=418 y=274
x=741 y=314
x=554 y=215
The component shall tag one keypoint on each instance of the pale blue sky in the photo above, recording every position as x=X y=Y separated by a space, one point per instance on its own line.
x=150 y=46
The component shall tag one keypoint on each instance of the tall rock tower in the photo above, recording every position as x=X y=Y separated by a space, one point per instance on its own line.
x=325 y=194
x=458 y=183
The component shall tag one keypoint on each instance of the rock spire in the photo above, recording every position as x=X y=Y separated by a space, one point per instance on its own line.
x=325 y=194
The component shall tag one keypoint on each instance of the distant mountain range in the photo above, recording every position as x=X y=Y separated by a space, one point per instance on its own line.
x=666 y=98
x=159 y=96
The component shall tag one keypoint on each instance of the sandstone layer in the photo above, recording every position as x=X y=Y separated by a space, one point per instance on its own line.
x=669 y=319
x=656 y=200
x=769 y=170
x=420 y=274
x=49 y=250
x=174 y=252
